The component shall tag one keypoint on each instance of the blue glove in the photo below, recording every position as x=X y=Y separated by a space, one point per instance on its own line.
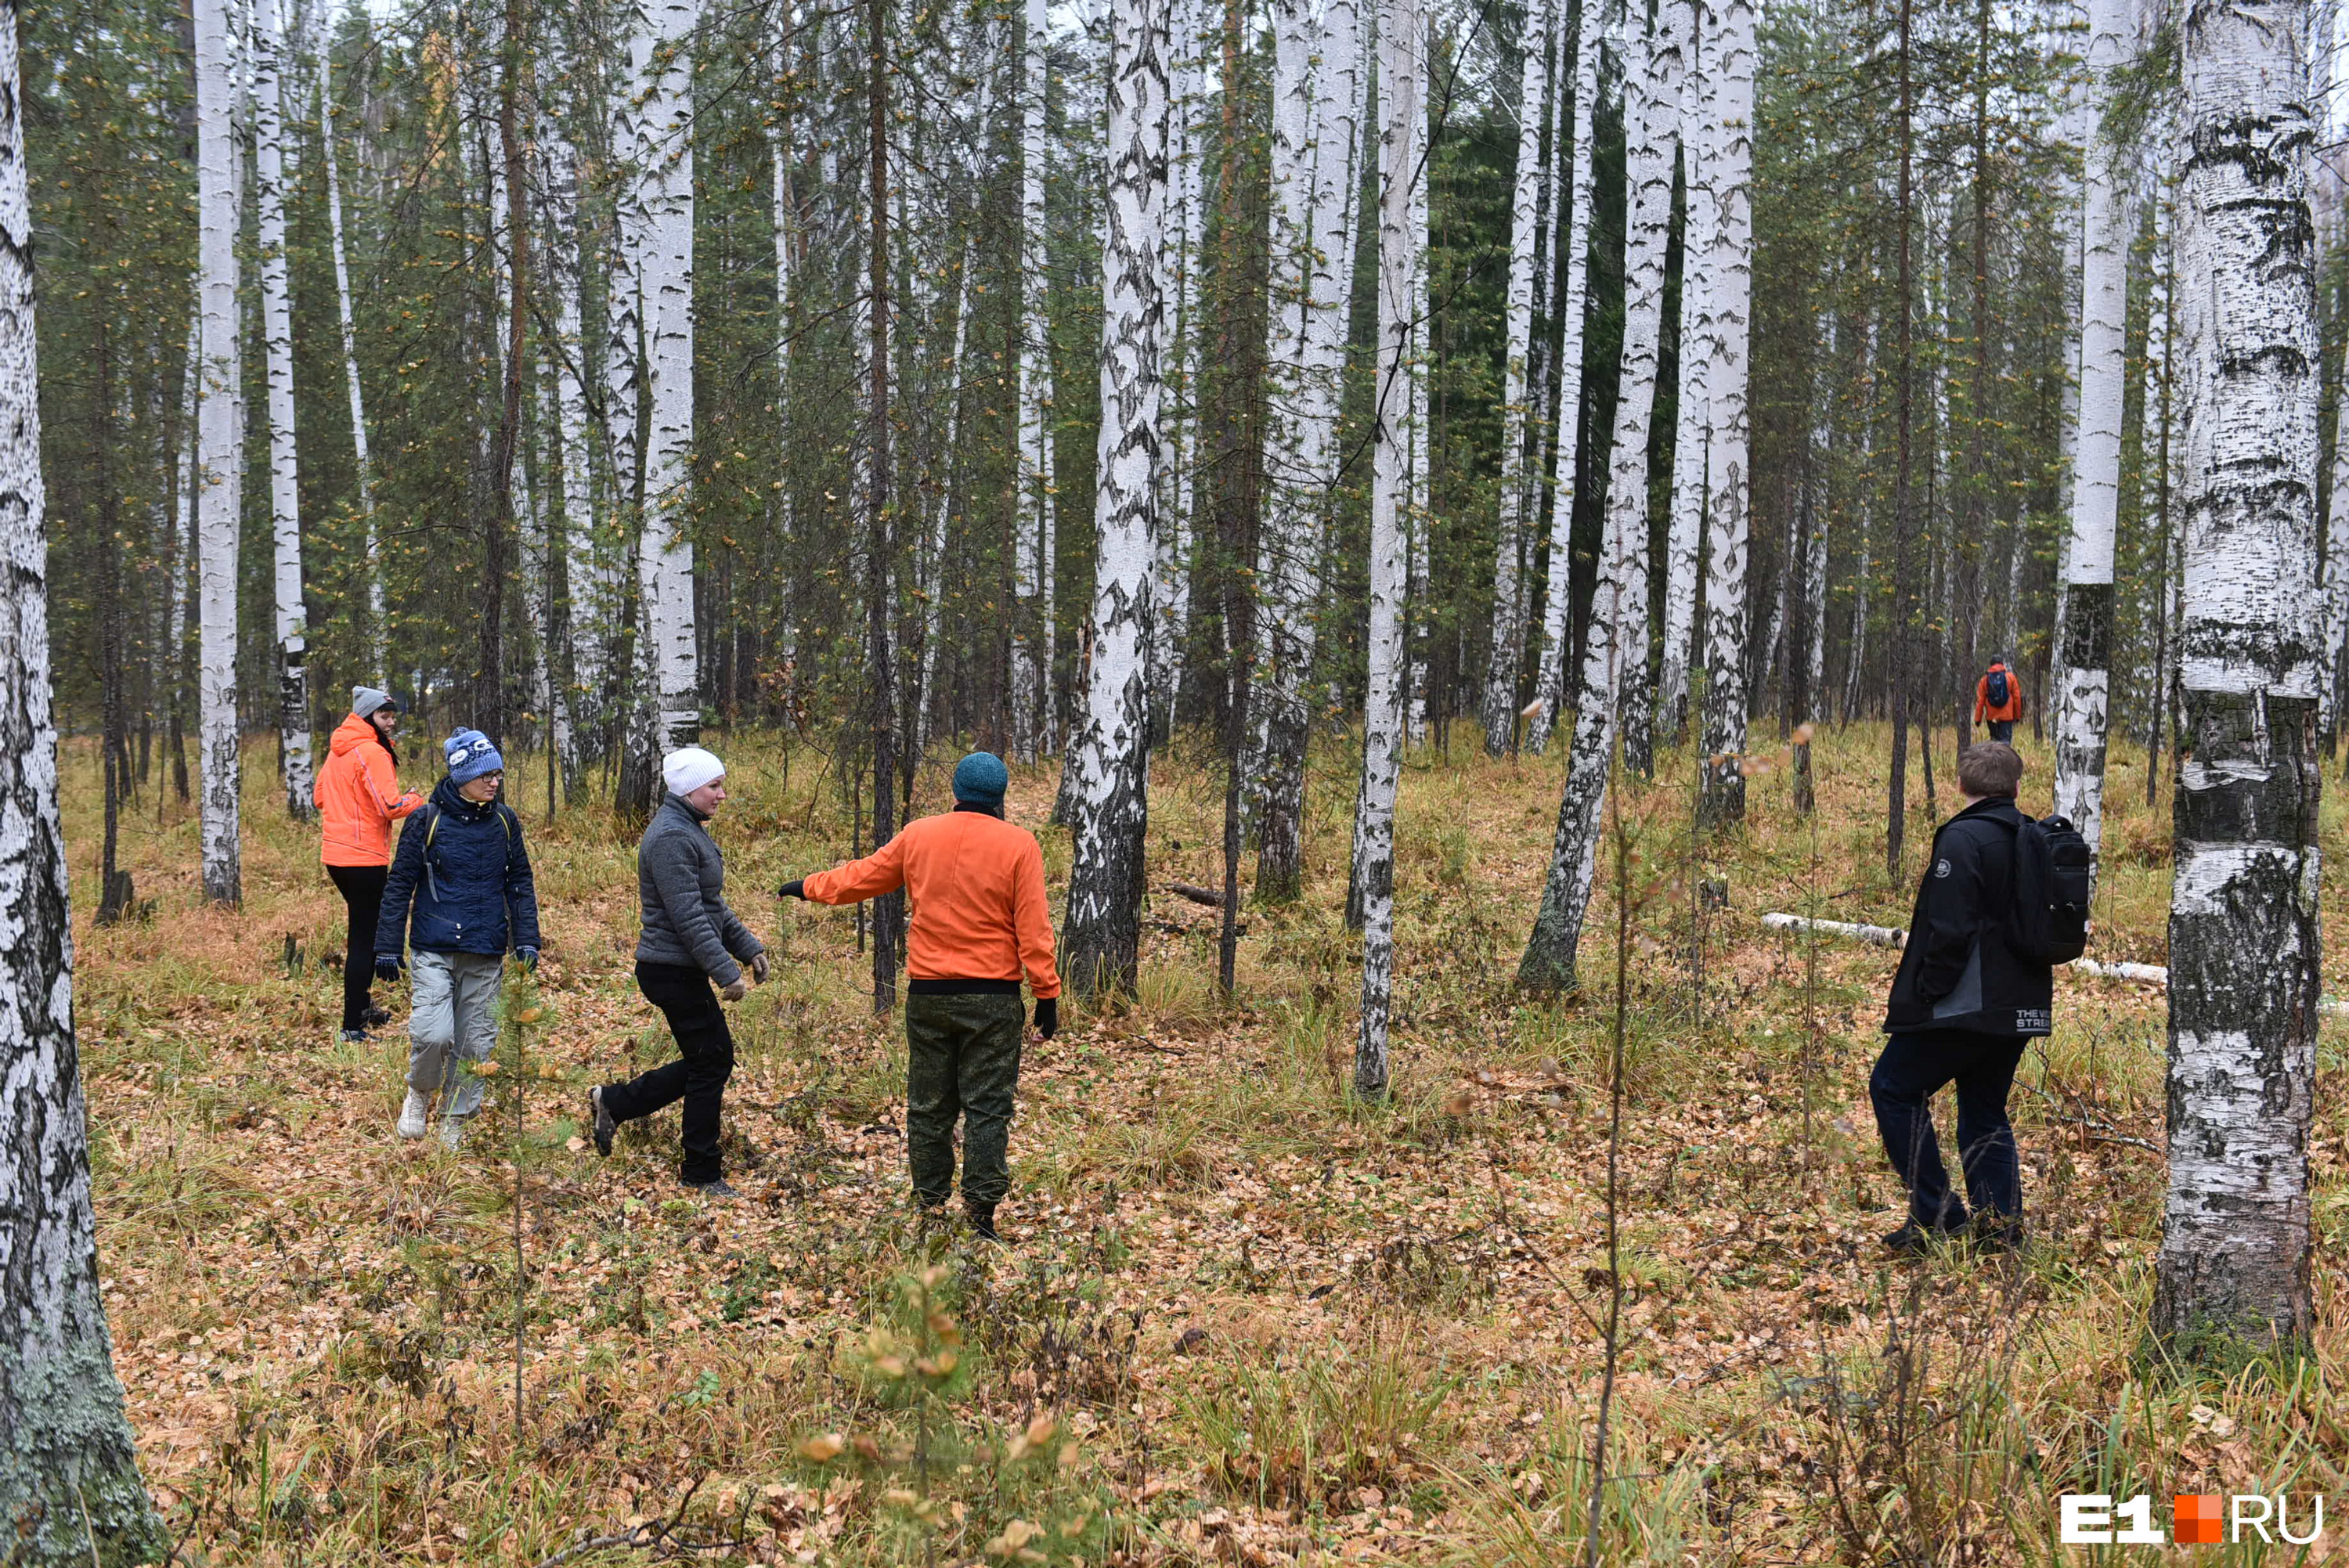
x=387 y=968
x=527 y=957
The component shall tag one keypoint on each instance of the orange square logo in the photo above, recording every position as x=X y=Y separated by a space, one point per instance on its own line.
x=2196 y=1519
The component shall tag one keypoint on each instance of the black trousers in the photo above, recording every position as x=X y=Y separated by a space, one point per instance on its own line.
x=362 y=891
x=1913 y=1067
x=2001 y=730
x=704 y=1061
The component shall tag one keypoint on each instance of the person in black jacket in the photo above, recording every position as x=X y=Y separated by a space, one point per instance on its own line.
x=463 y=866
x=1963 y=1006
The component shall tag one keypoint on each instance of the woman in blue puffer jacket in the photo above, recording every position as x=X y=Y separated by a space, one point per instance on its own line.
x=463 y=868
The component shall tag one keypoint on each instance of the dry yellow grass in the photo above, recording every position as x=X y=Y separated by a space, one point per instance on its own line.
x=1259 y=1323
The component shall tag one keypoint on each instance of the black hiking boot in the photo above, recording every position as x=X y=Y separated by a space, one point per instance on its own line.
x=982 y=1220
x=600 y=1125
x=1915 y=1241
x=716 y=1186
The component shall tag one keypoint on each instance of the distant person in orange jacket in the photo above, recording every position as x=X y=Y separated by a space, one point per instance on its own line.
x=979 y=923
x=1998 y=701
x=359 y=797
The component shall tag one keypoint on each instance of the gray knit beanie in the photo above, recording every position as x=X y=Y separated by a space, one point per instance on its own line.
x=366 y=700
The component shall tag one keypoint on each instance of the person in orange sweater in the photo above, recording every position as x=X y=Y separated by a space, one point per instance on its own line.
x=979 y=923
x=1998 y=700
x=359 y=797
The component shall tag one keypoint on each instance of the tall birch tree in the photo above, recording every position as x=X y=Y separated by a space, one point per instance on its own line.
x=220 y=446
x=69 y=1483
x=1728 y=147
x=1110 y=752
x=1700 y=130
x=1517 y=492
x=1317 y=111
x=292 y=625
x=1032 y=555
x=1574 y=297
x=2085 y=612
x=378 y=657
x=1400 y=77
x=1615 y=644
x=2244 y=937
x=663 y=63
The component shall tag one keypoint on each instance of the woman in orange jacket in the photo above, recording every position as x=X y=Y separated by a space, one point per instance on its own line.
x=1998 y=700
x=359 y=797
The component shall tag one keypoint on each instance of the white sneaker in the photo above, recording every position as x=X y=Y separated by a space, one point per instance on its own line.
x=452 y=1132
x=412 y=1115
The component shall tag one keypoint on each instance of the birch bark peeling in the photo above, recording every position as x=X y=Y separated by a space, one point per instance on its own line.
x=2243 y=929
x=69 y=1483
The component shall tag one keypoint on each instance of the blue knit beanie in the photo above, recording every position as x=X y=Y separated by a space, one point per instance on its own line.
x=470 y=755
x=980 y=779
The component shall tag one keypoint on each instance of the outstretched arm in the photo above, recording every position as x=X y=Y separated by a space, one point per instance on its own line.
x=883 y=871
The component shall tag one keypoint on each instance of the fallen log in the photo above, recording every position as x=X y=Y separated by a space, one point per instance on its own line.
x=1891 y=937
x=1196 y=893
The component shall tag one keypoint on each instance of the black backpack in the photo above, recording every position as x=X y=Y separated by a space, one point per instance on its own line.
x=1997 y=689
x=2052 y=876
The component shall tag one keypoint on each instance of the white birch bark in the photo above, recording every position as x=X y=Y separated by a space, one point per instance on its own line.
x=1613 y=656
x=623 y=370
x=220 y=447
x=1728 y=149
x=1813 y=704
x=69 y=1481
x=2336 y=554
x=290 y=626
x=663 y=61
x=1549 y=691
x=2087 y=613
x=371 y=548
x=1700 y=131
x=1505 y=650
x=1316 y=120
x=2243 y=930
x=591 y=597
x=1032 y=544
x=1401 y=158
x=1418 y=522
x=1186 y=229
x=1110 y=752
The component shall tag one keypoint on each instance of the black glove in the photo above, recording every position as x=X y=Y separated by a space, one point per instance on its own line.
x=527 y=957
x=387 y=968
x=795 y=887
x=1048 y=1016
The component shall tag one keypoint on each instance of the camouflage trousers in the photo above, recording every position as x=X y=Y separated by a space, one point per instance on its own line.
x=962 y=1059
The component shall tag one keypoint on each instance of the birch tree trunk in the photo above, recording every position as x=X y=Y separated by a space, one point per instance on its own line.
x=1186 y=237
x=1400 y=159
x=1111 y=749
x=2243 y=930
x=1506 y=650
x=69 y=1481
x=668 y=295
x=1549 y=688
x=292 y=623
x=1032 y=544
x=2087 y=611
x=1612 y=660
x=1635 y=692
x=1729 y=146
x=220 y=447
x=1700 y=131
x=1421 y=522
x=591 y=611
x=1308 y=331
x=371 y=548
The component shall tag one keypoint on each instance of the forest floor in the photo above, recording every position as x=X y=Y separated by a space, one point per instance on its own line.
x=1239 y=1318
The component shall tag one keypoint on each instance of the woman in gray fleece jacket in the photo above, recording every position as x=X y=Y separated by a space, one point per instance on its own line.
x=692 y=942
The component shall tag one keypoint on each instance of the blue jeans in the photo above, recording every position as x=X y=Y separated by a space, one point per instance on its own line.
x=1913 y=1067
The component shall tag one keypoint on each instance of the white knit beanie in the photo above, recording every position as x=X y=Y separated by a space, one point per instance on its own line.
x=688 y=767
